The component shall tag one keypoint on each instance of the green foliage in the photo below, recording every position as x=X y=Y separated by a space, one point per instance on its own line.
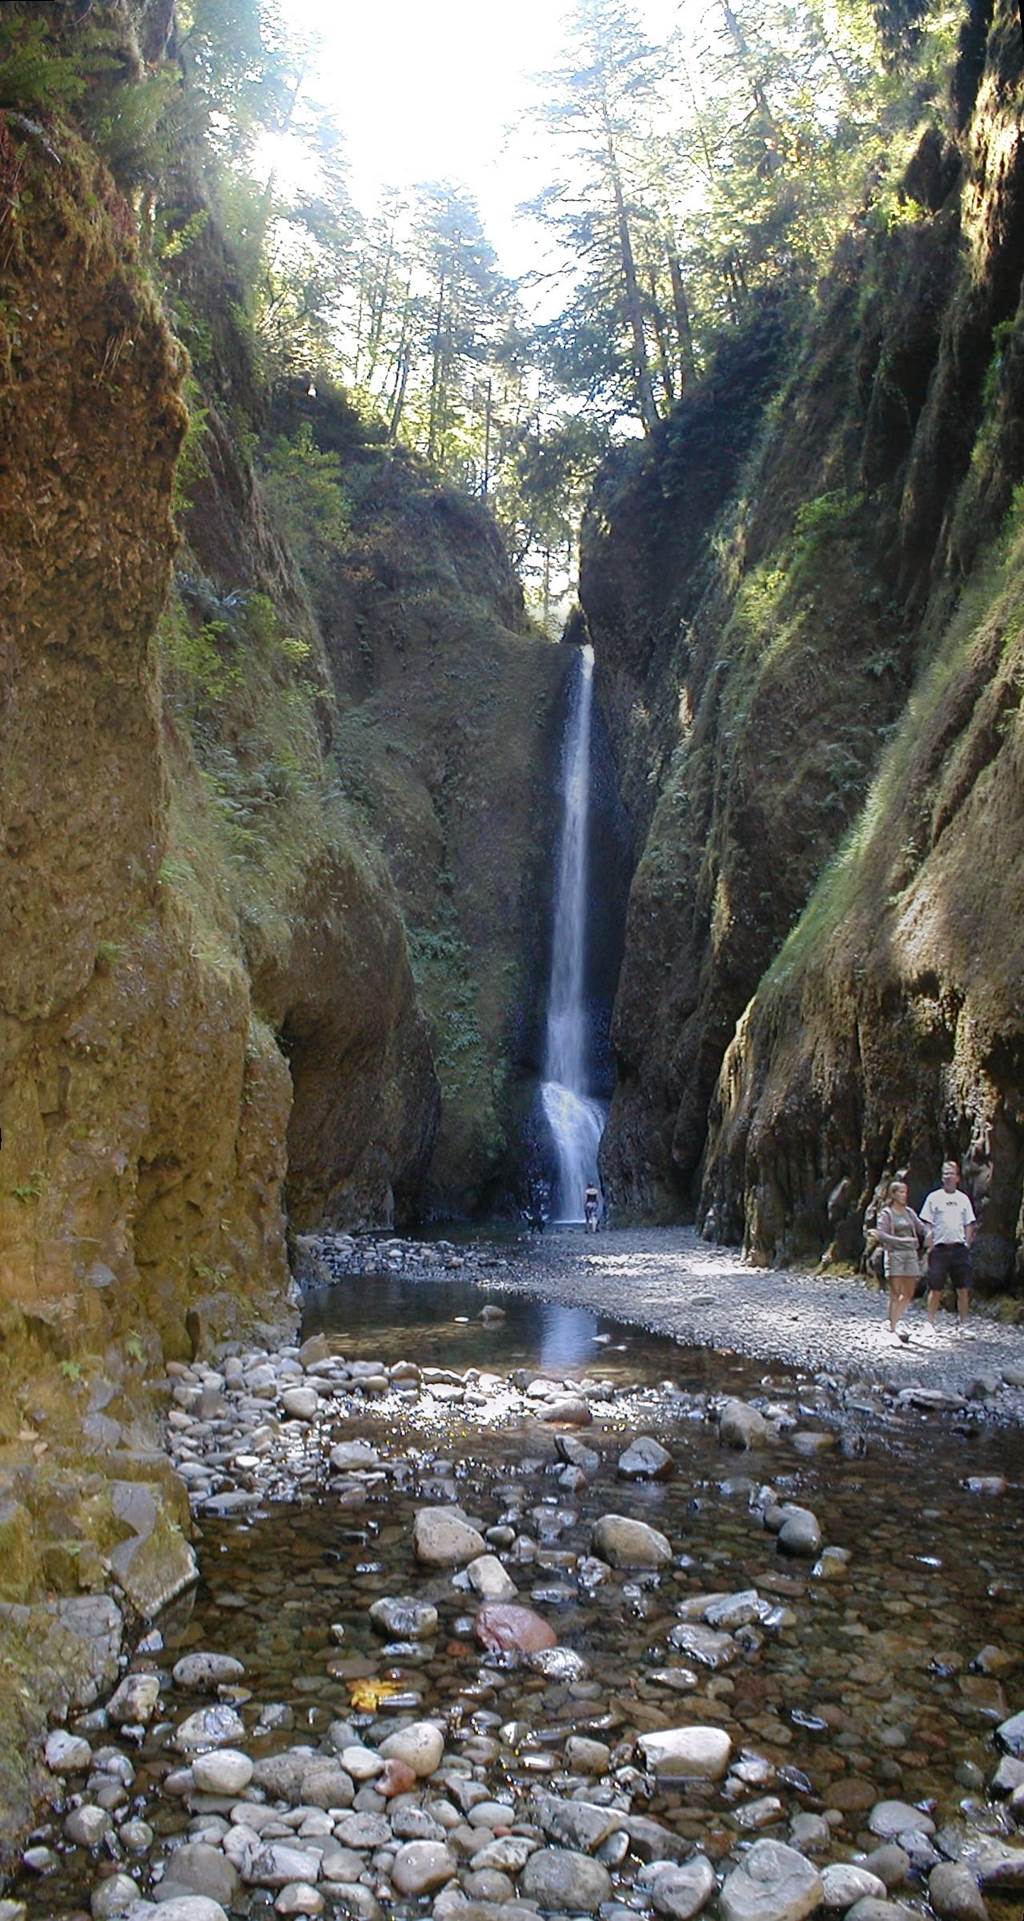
x=71 y=1371
x=1003 y=334
x=34 y=73
x=31 y=1190
x=305 y=490
x=192 y=463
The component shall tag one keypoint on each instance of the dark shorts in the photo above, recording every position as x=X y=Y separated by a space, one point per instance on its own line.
x=950 y=1261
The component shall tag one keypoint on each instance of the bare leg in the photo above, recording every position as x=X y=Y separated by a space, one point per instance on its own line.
x=963 y=1303
x=934 y=1303
x=901 y=1293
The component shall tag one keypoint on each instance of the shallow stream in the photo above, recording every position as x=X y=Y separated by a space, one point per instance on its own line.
x=864 y=1688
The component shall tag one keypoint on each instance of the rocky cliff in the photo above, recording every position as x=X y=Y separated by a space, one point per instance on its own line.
x=803 y=602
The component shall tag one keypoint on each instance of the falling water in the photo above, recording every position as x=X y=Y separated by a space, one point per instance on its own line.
x=576 y=1120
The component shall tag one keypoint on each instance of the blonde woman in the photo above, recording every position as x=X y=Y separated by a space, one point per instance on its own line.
x=902 y=1234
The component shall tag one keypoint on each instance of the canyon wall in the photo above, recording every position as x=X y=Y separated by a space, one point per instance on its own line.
x=804 y=603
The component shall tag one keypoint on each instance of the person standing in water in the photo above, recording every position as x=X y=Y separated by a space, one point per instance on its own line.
x=591 y=1209
x=901 y=1234
x=951 y=1222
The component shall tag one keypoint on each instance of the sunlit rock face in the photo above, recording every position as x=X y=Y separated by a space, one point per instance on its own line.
x=815 y=669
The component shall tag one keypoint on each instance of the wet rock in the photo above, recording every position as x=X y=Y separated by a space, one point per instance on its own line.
x=742 y=1426
x=576 y=1454
x=153 y=1563
x=954 y=1893
x=397 y=1778
x=583 y=1756
x=133 y=1703
x=1010 y=1735
x=891 y=1819
x=680 y=1892
x=569 y=1411
x=575 y=1824
x=113 y=1897
x=891 y=1863
x=205 y=1673
x=833 y=1564
x=626 y=1543
x=66 y=1753
x=301 y=1403
x=870 y=1909
x=299 y=1897
x=772 y=1883
x=224 y=1771
x=444 y=1539
x=421 y=1866
x=810 y=1833
x=209 y=1728
x=558 y=1664
x=349 y=1456
x=645 y=1460
x=1008 y=1776
x=404 y=1618
x=509 y=1853
x=420 y=1747
x=560 y=1879
x=489 y=1579
x=278 y=1864
x=843 y=1884
x=197 y=1868
x=87 y=1825
x=503 y=1627
x=649 y=1841
x=765 y=1812
x=363 y=1764
x=710 y=1646
x=735 y=1610
x=799 y=1534
x=193 y=1907
x=998 y=1866
x=40 y=1860
x=687 y=1753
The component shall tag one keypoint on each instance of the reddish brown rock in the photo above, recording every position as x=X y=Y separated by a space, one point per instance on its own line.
x=397 y=1778
x=502 y=1626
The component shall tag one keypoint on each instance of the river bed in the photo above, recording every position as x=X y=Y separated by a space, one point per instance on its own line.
x=843 y=1684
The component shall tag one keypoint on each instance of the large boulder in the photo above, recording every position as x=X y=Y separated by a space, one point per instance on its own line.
x=772 y=1883
x=442 y=1538
x=628 y=1543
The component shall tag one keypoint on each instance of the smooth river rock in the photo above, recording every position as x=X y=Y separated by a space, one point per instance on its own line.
x=404 y=1618
x=844 y=1883
x=503 y=1627
x=420 y=1866
x=627 y=1543
x=682 y=1890
x=890 y=1819
x=687 y=1753
x=645 y=1460
x=562 y=1880
x=420 y=1746
x=772 y=1883
x=443 y=1539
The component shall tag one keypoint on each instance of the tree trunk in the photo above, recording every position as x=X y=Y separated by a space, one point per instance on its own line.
x=664 y=359
x=644 y=390
x=435 y=371
x=681 y=310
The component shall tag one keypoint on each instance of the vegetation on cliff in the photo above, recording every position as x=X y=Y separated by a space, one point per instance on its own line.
x=802 y=600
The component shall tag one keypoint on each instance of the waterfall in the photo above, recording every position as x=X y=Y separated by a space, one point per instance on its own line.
x=576 y=1120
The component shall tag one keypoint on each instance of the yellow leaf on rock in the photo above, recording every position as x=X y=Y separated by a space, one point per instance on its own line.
x=367 y=1695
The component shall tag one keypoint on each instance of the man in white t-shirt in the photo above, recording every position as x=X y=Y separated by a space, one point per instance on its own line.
x=950 y=1220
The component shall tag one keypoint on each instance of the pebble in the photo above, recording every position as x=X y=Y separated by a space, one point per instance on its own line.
x=66 y=1753
x=444 y=1539
x=224 y=1771
x=561 y=1879
x=843 y=1883
x=954 y=1893
x=772 y=1883
x=115 y=1896
x=682 y=1891
x=421 y=1866
x=628 y=1543
x=419 y=1747
x=688 y=1752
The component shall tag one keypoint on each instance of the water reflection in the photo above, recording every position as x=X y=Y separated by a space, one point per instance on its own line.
x=566 y=1336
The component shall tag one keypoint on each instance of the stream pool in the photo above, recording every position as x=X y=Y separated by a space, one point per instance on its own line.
x=886 y=1683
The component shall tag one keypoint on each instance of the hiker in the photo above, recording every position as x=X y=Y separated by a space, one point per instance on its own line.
x=951 y=1222
x=902 y=1235
x=591 y=1209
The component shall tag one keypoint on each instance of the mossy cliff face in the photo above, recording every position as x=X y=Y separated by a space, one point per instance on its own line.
x=837 y=672
x=445 y=744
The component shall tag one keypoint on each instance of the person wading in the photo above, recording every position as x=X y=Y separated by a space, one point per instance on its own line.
x=902 y=1234
x=951 y=1222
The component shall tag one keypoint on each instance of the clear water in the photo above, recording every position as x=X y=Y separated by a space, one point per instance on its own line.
x=869 y=1695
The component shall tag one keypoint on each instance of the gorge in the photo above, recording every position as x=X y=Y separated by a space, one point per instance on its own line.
x=324 y=854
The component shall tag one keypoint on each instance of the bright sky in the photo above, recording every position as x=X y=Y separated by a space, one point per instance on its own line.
x=427 y=90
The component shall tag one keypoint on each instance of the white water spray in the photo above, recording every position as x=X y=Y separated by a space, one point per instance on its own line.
x=576 y=1120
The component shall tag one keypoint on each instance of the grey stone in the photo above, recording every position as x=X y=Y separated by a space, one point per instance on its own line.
x=404 y=1618
x=575 y=1824
x=349 y=1456
x=870 y=1909
x=772 y=1883
x=560 y=1879
x=204 y=1673
x=113 y=1897
x=891 y=1819
x=583 y=1756
x=682 y=1891
x=509 y=1853
x=198 y=1868
x=687 y=1753
x=844 y=1883
x=299 y=1897
x=278 y=1863
x=211 y=1727
x=890 y=1862
x=224 y=1771
x=954 y=1893
x=444 y=1539
x=1010 y=1735
x=420 y=1746
x=709 y=1646
x=87 y=1825
x=742 y=1426
x=626 y=1543
x=421 y=1866
x=490 y=1580
x=66 y=1753
x=645 y=1460
x=192 y=1907
x=154 y=1563
x=301 y=1403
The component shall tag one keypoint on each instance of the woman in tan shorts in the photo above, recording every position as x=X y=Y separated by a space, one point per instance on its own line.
x=902 y=1234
